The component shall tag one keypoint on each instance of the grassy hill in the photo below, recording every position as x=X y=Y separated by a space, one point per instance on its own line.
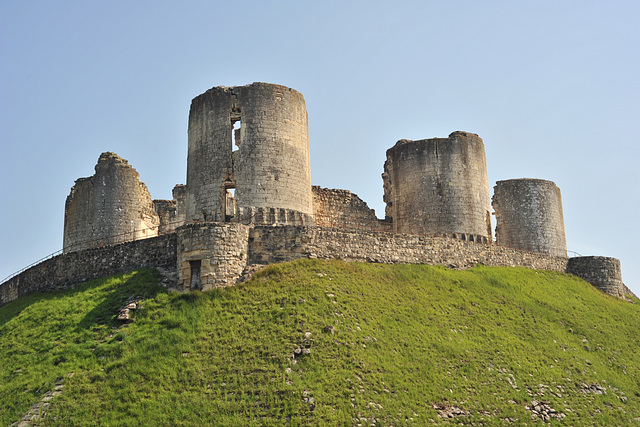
x=326 y=343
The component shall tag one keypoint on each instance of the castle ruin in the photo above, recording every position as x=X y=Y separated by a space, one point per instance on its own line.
x=252 y=140
x=112 y=206
x=248 y=200
x=439 y=185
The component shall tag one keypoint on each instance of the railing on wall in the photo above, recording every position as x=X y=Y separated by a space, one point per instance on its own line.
x=90 y=244
x=257 y=217
x=12 y=275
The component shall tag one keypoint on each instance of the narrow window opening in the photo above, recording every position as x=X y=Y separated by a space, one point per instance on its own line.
x=196 y=281
x=230 y=204
x=235 y=134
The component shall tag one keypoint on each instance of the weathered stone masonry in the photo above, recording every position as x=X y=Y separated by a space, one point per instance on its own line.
x=249 y=200
x=270 y=167
x=285 y=243
x=344 y=210
x=112 y=206
x=529 y=216
x=211 y=255
x=219 y=252
x=602 y=272
x=68 y=269
x=439 y=185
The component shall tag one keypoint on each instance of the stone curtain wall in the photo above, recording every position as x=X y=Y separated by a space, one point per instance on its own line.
x=211 y=255
x=221 y=251
x=438 y=185
x=271 y=166
x=602 y=272
x=285 y=243
x=344 y=210
x=529 y=216
x=113 y=206
x=66 y=270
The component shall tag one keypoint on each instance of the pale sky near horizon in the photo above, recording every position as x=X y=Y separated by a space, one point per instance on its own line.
x=552 y=87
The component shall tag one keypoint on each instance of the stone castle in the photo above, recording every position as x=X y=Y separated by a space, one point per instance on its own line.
x=249 y=201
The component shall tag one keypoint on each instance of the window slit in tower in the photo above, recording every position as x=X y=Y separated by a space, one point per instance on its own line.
x=229 y=203
x=235 y=134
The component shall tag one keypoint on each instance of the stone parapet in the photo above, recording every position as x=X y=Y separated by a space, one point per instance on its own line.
x=285 y=243
x=65 y=270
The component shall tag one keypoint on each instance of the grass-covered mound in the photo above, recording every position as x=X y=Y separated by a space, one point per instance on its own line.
x=327 y=343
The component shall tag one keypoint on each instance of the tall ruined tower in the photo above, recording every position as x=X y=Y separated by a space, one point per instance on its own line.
x=248 y=148
x=439 y=186
x=529 y=216
x=112 y=206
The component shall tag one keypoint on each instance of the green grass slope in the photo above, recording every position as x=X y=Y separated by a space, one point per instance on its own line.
x=326 y=343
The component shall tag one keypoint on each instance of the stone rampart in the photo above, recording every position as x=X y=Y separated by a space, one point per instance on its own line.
x=285 y=243
x=66 y=270
x=211 y=255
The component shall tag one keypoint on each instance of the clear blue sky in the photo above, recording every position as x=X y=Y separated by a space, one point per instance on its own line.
x=552 y=87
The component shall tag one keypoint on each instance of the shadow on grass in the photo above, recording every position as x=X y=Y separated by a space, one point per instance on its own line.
x=14 y=308
x=142 y=285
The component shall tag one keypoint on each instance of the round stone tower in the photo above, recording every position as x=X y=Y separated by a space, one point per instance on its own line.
x=112 y=206
x=602 y=272
x=529 y=216
x=439 y=186
x=248 y=150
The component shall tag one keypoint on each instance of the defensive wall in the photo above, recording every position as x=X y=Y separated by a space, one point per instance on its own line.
x=210 y=255
x=67 y=269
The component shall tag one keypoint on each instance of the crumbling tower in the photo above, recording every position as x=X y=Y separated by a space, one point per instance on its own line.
x=112 y=206
x=529 y=216
x=439 y=186
x=248 y=152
